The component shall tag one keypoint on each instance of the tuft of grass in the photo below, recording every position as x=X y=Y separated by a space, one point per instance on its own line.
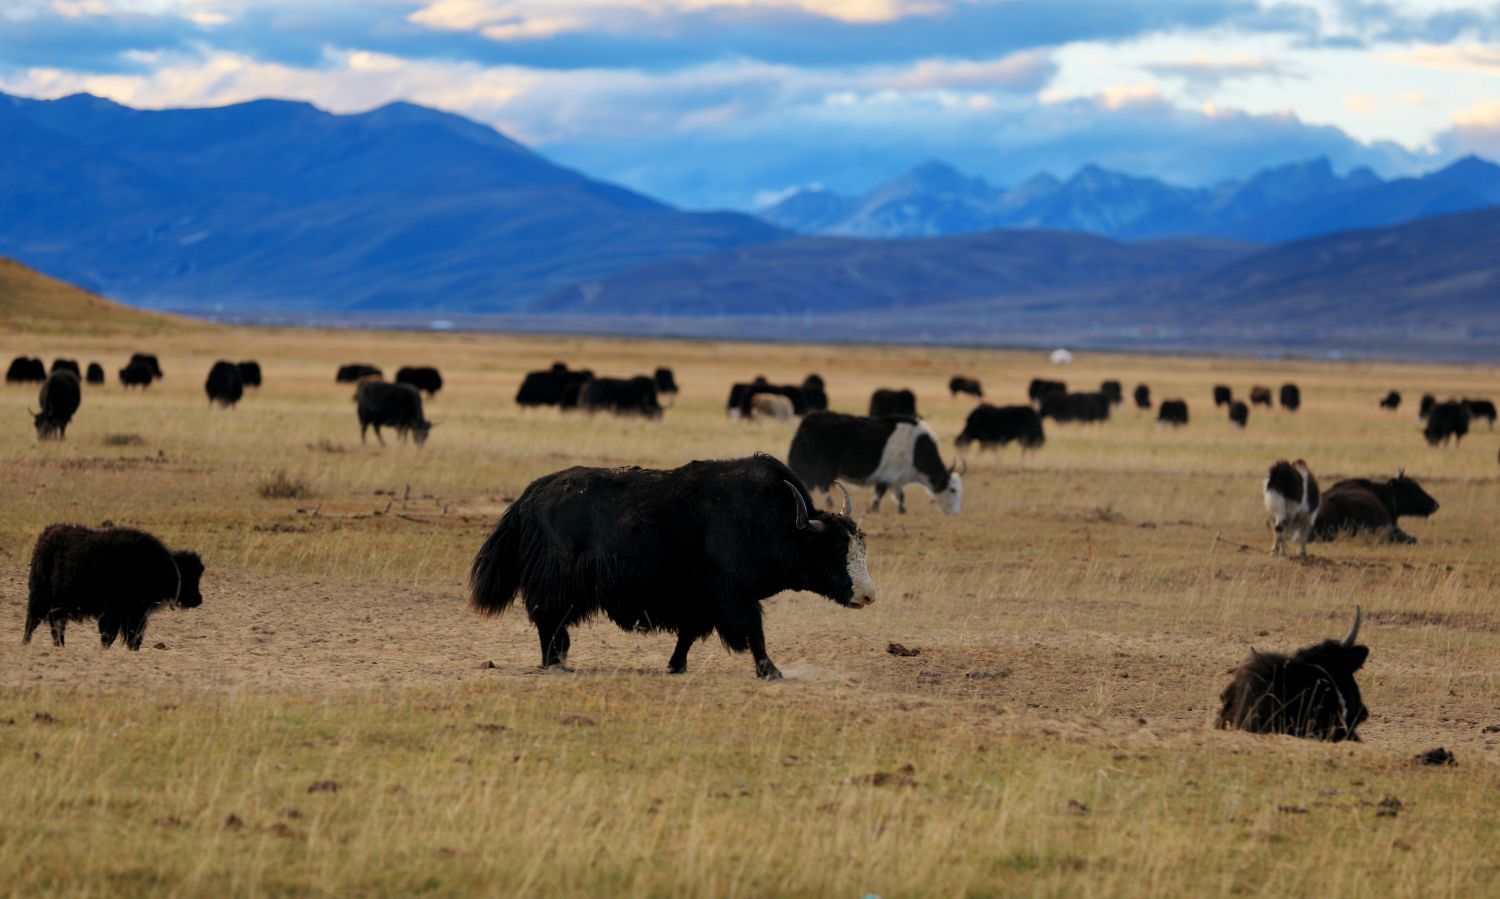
x=124 y=440
x=280 y=485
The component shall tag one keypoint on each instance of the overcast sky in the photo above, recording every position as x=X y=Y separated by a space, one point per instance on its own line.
x=732 y=102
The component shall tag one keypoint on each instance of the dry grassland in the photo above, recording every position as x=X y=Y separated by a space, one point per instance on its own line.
x=327 y=722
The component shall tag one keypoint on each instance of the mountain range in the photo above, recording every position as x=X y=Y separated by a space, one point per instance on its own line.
x=1274 y=205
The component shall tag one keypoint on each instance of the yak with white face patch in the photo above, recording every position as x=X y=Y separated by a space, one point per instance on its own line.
x=886 y=453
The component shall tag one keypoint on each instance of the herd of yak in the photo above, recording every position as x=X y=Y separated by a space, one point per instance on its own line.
x=694 y=550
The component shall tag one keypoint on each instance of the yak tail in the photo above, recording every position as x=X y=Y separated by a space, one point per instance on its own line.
x=496 y=575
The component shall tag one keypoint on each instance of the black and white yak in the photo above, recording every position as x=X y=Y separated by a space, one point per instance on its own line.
x=1291 y=496
x=1311 y=693
x=887 y=453
x=692 y=551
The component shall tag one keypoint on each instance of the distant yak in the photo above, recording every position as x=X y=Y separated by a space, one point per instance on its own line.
x=1172 y=412
x=892 y=402
x=383 y=404
x=1446 y=421
x=149 y=361
x=423 y=377
x=1310 y=693
x=970 y=386
x=356 y=371
x=1142 y=396
x=998 y=426
x=117 y=575
x=26 y=370
x=1239 y=413
x=1362 y=506
x=136 y=375
x=1081 y=407
x=1041 y=388
x=1291 y=397
x=1223 y=396
x=95 y=373
x=1260 y=396
x=59 y=398
x=622 y=396
x=67 y=365
x=1114 y=391
x=1392 y=401
x=224 y=385
x=249 y=372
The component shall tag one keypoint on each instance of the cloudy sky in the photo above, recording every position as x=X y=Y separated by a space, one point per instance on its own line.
x=731 y=102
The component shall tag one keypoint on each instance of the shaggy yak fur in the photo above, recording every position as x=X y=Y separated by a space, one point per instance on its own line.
x=892 y=402
x=383 y=404
x=59 y=399
x=997 y=426
x=423 y=377
x=224 y=385
x=95 y=373
x=117 y=575
x=690 y=551
x=1311 y=693
x=1363 y=506
x=249 y=372
x=1142 y=396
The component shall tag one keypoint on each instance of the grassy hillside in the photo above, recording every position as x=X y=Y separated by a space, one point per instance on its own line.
x=33 y=302
x=334 y=720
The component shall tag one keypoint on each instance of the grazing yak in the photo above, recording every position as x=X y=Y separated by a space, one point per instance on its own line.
x=1223 y=396
x=67 y=365
x=1481 y=409
x=1425 y=409
x=224 y=385
x=1239 y=413
x=666 y=382
x=355 y=372
x=1310 y=693
x=423 y=377
x=691 y=551
x=249 y=372
x=886 y=452
x=1114 y=391
x=1084 y=407
x=95 y=373
x=997 y=426
x=1291 y=397
x=1362 y=506
x=59 y=399
x=117 y=575
x=1291 y=497
x=558 y=386
x=149 y=361
x=136 y=375
x=26 y=370
x=1172 y=412
x=892 y=402
x=970 y=386
x=383 y=404
x=622 y=396
x=1392 y=401
x=1142 y=396
x=1446 y=421
x=1041 y=388
x=1260 y=396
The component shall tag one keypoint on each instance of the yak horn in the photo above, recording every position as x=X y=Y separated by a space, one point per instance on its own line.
x=803 y=522
x=1353 y=631
x=1401 y=472
x=848 y=509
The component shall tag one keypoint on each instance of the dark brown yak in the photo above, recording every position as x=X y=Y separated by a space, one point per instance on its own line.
x=1310 y=694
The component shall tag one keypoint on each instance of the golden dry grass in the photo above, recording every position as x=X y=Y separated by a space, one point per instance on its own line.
x=33 y=302
x=1052 y=737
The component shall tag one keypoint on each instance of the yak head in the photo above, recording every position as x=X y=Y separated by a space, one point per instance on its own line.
x=1408 y=497
x=950 y=498
x=46 y=428
x=1309 y=694
x=420 y=431
x=190 y=574
x=836 y=555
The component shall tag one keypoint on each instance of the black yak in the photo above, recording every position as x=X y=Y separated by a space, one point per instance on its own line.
x=1363 y=506
x=622 y=396
x=1446 y=421
x=814 y=381
x=1114 y=391
x=1392 y=401
x=423 y=377
x=67 y=365
x=149 y=361
x=1260 y=396
x=1172 y=412
x=224 y=385
x=555 y=387
x=1084 y=407
x=26 y=370
x=666 y=382
x=997 y=426
x=1291 y=397
x=1484 y=409
x=383 y=404
x=892 y=402
x=814 y=393
x=1142 y=396
x=1223 y=396
x=690 y=551
x=1291 y=498
x=1310 y=694
x=1239 y=413
x=59 y=398
x=249 y=372
x=117 y=575
x=136 y=375
x=95 y=373
x=1041 y=388
x=887 y=453
x=356 y=371
x=971 y=386
x=1425 y=409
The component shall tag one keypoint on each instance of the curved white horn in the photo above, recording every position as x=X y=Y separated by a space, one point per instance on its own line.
x=848 y=509
x=1353 y=631
x=804 y=523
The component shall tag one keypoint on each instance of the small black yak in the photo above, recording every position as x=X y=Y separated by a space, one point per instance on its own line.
x=383 y=404
x=356 y=371
x=1484 y=409
x=67 y=365
x=1041 y=388
x=1310 y=694
x=136 y=375
x=1084 y=407
x=1142 y=396
x=95 y=373
x=148 y=360
x=622 y=396
x=60 y=397
x=224 y=385
x=666 y=382
x=1260 y=396
x=971 y=386
x=249 y=372
x=1239 y=414
x=1114 y=391
x=998 y=426
x=1172 y=412
x=691 y=551
x=1446 y=421
x=26 y=370
x=423 y=377
x=117 y=575
x=1223 y=396
x=1392 y=401
x=892 y=402
x=1425 y=409
x=1291 y=397
x=1362 y=506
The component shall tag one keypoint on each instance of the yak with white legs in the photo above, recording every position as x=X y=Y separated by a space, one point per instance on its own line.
x=1291 y=495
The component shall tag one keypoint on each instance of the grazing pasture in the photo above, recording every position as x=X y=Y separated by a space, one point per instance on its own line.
x=1027 y=709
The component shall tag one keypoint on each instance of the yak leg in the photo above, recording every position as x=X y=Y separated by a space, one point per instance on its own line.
x=879 y=495
x=31 y=622
x=901 y=499
x=553 y=635
x=134 y=627
x=764 y=667
x=377 y=434
x=363 y=428
x=678 y=663
x=57 y=622
x=109 y=629
x=1302 y=534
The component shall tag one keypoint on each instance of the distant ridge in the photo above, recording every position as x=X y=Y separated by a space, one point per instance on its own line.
x=32 y=301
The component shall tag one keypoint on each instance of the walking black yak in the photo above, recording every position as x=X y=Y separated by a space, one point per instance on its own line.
x=117 y=575
x=690 y=551
x=383 y=404
x=59 y=398
x=1310 y=693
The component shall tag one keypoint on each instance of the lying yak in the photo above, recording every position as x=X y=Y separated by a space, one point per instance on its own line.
x=117 y=575
x=59 y=398
x=690 y=551
x=1363 y=506
x=1311 y=693
x=886 y=453
x=1291 y=497
x=383 y=404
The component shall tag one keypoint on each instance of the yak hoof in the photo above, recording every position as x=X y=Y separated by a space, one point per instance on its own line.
x=556 y=668
x=676 y=669
x=766 y=670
